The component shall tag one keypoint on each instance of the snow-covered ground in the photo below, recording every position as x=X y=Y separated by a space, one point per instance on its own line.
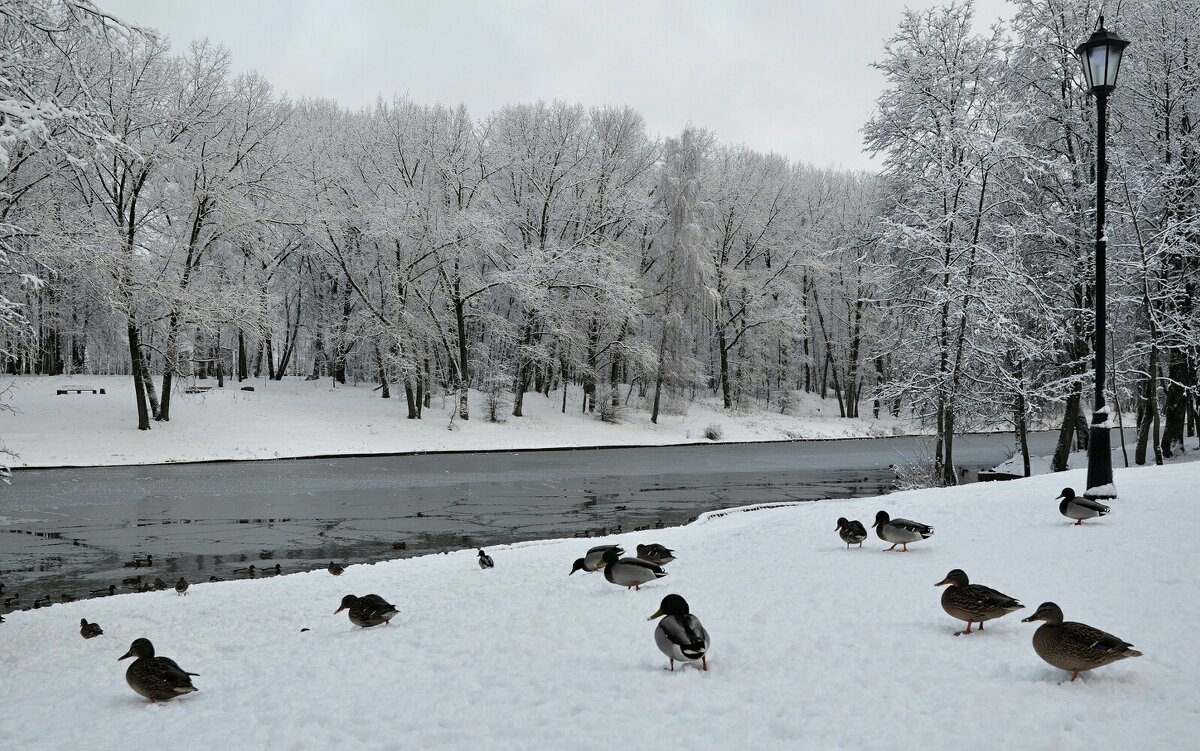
x=282 y=419
x=813 y=645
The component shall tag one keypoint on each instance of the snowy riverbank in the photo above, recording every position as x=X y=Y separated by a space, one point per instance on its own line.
x=814 y=646
x=283 y=419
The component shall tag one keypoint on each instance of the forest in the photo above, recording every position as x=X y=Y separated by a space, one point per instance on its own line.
x=166 y=218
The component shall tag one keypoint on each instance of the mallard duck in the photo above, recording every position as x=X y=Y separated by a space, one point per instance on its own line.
x=64 y=598
x=629 y=572
x=138 y=562
x=485 y=560
x=181 y=586
x=249 y=572
x=399 y=546
x=655 y=553
x=336 y=569
x=367 y=611
x=900 y=531
x=851 y=532
x=1079 y=508
x=680 y=635
x=594 y=560
x=158 y=583
x=213 y=578
x=973 y=603
x=89 y=630
x=1075 y=647
x=275 y=570
x=41 y=602
x=108 y=591
x=132 y=581
x=156 y=678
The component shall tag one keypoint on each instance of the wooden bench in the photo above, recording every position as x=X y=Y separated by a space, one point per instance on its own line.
x=78 y=390
x=197 y=389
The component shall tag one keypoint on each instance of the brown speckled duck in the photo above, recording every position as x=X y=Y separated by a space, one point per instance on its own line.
x=156 y=678
x=1074 y=647
x=655 y=553
x=973 y=603
x=89 y=630
x=368 y=610
x=851 y=532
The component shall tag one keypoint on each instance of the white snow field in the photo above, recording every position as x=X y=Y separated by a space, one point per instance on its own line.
x=813 y=646
x=283 y=419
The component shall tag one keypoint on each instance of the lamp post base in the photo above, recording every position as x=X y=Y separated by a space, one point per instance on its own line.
x=1100 y=485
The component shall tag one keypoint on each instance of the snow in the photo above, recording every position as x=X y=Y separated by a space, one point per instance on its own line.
x=813 y=645
x=293 y=418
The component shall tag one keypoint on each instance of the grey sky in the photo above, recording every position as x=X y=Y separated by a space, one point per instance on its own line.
x=791 y=76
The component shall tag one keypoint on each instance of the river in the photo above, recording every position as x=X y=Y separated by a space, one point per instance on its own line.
x=70 y=530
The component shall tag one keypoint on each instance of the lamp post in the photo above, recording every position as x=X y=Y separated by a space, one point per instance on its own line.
x=1101 y=58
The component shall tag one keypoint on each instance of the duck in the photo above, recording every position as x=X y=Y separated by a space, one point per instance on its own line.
x=138 y=562
x=108 y=591
x=1074 y=647
x=89 y=630
x=64 y=598
x=900 y=531
x=336 y=569
x=13 y=600
x=630 y=572
x=1079 y=508
x=680 y=635
x=275 y=570
x=655 y=553
x=181 y=586
x=156 y=678
x=248 y=571
x=485 y=560
x=132 y=581
x=399 y=546
x=594 y=560
x=973 y=603
x=158 y=583
x=214 y=578
x=41 y=602
x=368 y=610
x=851 y=532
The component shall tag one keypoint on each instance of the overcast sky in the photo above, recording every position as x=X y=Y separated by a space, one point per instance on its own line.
x=791 y=76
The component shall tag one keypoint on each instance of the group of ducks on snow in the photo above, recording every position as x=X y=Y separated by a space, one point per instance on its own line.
x=1070 y=646
x=1067 y=645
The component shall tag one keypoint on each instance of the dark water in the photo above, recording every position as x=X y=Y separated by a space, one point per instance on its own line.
x=70 y=530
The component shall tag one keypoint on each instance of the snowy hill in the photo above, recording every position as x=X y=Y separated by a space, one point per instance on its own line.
x=813 y=645
x=283 y=419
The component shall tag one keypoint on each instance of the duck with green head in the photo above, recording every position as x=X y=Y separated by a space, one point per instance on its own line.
x=630 y=572
x=680 y=635
x=1078 y=507
x=594 y=560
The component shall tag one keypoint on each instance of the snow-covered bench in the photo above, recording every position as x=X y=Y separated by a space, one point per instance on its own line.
x=78 y=390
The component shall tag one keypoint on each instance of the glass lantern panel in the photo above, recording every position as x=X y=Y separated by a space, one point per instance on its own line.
x=1097 y=65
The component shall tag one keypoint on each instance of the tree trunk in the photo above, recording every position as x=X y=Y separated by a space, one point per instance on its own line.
x=139 y=384
x=1062 y=449
x=1175 y=403
x=243 y=370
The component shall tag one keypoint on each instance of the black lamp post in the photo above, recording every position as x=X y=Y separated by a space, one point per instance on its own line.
x=1101 y=58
